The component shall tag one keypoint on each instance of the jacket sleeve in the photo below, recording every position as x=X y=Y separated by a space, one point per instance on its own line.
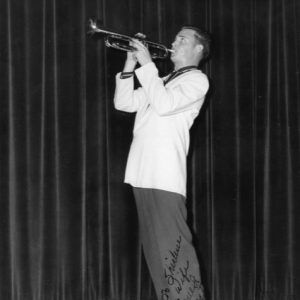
x=126 y=98
x=188 y=91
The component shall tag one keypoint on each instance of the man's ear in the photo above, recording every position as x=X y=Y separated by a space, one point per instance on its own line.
x=199 y=48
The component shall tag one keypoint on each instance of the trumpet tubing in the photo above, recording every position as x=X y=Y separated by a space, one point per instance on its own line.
x=122 y=42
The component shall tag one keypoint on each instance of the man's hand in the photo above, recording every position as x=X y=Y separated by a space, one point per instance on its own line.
x=141 y=53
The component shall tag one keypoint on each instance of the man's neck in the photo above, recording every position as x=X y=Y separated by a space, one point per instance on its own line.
x=181 y=65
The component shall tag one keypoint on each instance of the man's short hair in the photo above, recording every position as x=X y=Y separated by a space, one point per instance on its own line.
x=203 y=38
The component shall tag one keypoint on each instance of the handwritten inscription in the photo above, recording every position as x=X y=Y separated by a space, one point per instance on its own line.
x=171 y=262
x=165 y=294
x=180 y=278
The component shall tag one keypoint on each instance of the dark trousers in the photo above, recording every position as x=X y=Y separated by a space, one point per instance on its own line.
x=167 y=245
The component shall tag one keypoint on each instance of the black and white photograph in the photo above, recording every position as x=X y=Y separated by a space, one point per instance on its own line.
x=149 y=150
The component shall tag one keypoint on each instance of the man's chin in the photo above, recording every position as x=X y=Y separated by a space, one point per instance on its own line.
x=173 y=57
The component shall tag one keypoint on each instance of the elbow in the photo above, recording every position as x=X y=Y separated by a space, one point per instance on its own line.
x=119 y=105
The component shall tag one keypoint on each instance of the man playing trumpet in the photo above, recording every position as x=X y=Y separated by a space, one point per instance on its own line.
x=156 y=168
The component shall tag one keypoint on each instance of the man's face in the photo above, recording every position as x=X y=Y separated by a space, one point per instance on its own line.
x=185 y=46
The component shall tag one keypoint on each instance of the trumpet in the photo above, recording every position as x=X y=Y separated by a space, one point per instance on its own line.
x=122 y=42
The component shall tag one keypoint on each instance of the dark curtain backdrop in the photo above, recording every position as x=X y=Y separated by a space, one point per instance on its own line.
x=68 y=224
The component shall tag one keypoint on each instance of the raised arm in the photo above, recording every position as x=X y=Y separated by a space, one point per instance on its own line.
x=126 y=98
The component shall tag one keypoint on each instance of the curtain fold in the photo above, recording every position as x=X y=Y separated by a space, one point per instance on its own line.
x=69 y=223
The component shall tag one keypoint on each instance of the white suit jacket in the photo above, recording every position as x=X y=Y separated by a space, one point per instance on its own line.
x=164 y=116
